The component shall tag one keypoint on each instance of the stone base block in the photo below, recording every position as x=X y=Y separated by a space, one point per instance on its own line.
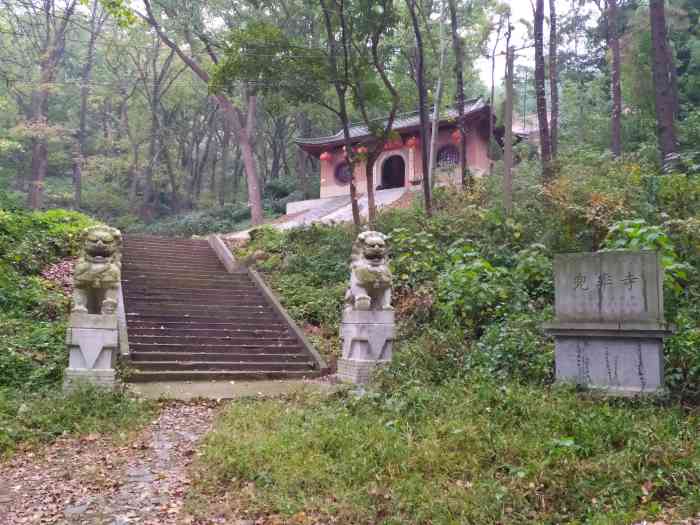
x=614 y=365
x=99 y=377
x=356 y=371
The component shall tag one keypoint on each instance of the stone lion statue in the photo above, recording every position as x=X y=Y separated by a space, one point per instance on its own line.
x=97 y=273
x=370 y=277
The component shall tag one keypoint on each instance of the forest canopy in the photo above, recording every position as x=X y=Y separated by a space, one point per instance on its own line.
x=147 y=111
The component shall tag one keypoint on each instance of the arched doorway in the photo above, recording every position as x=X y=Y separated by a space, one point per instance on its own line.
x=393 y=173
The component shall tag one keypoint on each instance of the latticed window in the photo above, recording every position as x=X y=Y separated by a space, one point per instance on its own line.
x=343 y=175
x=448 y=157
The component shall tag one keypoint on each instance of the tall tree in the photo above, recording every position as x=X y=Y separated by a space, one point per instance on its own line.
x=508 y=122
x=458 y=47
x=41 y=27
x=242 y=122
x=664 y=96
x=540 y=94
x=503 y=17
x=423 y=104
x=553 y=77
x=98 y=15
x=615 y=85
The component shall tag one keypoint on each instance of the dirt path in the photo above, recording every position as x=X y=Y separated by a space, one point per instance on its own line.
x=91 y=480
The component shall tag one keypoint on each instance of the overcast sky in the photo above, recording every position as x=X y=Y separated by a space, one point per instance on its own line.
x=519 y=9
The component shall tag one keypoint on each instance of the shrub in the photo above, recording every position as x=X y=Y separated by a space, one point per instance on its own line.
x=682 y=356
x=472 y=292
x=30 y=241
x=516 y=347
x=638 y=235
x=533 y=270
x=33 y=352
x=415 y=257
x=223 y=219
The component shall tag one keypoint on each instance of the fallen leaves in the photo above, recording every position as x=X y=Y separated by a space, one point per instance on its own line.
x=94 y=479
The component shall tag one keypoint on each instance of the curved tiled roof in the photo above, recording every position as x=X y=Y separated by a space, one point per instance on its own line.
x=402 y=122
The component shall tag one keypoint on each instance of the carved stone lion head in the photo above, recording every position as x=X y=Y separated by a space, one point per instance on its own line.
x=101 y=243
x=371 y=245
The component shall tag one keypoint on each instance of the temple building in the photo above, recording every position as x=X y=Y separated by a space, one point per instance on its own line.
x=399 y=165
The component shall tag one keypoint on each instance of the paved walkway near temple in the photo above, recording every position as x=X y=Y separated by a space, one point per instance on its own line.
x=98 y=479
x=337 y=209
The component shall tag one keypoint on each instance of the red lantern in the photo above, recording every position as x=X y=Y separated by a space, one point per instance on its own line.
x=456 y=137
x=413 y=142
x=326 y=155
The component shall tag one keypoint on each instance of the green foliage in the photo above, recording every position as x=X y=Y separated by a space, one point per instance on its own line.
x=679 y=195
x=477 y=451
x=41 y=416
x=516 y=348
x=33 y=353
x=682 y=354
x=29 y=241
x=472 y=291
x=227 y=218
x=533 y=270
x=416 y=257
x=289 y=69
x=308 y=268
x=32 y=338
x=638 y=235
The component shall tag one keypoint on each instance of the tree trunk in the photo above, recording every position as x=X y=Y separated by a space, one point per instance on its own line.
x=52 y=53
x=615 y=87
x=436 y=109
x=545 y=140
x=508 y=138
x=663 y=90
x=369 y=177
x=245 y=139
x=422 y=107
x=245 y=131
x=225 y=157
x=96 y=21
x=303 y=125
x=35 y=198
x=459 y=76
x=77 y=175
x=553 y=78
x=341 y=93
x=493 y=89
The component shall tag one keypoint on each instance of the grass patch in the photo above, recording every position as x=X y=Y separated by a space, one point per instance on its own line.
x=463 y=452
x=31 y=418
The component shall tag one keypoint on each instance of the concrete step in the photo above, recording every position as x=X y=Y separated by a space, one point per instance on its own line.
x=219 y=375
x=179 y=331
x=212 y=340
x=208 y=317
x=218 y=357
x=204 y=324
x=216 y=311
x=192 y=348
x=189 y=319
x=232 y=286
x=236 y=366
x=137 y=302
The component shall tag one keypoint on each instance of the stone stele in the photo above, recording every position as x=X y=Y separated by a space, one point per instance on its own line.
x=93 y=329
x=367 y=328
x=609 y=327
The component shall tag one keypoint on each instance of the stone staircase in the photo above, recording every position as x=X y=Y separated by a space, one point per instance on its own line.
x=189 y=319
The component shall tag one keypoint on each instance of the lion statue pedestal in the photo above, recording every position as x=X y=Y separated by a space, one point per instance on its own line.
x=93 y=328
x=367 y=327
